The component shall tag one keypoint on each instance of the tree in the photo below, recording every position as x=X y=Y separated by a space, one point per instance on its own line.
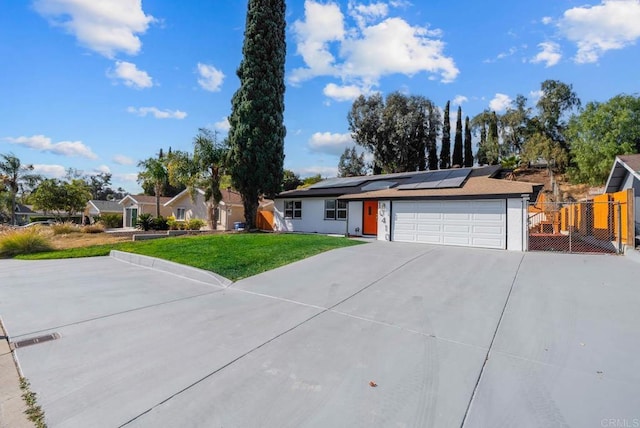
x=351 y=164
x=154 y=170
x=468 y=144
x=15 y=176
x=69 y=197
x=290 y=180
x=539 y=147
x=445 y=150
x=489 y=145
x=516 y=125
x=557 y=101
x=100 y=187
x=202 y=170
x=311 y=180
x=256 y=135
x=600 y=133
x=458 y=158
x=397 y=131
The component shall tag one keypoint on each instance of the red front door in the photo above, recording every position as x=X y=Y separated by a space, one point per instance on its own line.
x=370 y=221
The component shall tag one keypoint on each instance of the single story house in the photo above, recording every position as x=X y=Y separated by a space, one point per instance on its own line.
x=131 y=206
x=461 y=206
x=96 y=208
x=625 y=174
x=229 y=211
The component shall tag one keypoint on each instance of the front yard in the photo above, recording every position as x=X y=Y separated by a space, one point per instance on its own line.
x=233 y=256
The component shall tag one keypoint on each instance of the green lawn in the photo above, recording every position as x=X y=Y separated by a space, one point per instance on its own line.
x=233 y=256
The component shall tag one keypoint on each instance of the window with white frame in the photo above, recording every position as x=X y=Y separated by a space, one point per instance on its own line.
x=293 y=209
x=180 y=213
x=335 y=209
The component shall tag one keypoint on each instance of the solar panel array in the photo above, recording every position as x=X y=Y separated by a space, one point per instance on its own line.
x=340 y=182
x=378 y=185
x=437 y=180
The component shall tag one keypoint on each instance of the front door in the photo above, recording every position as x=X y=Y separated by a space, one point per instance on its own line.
x=370 y=221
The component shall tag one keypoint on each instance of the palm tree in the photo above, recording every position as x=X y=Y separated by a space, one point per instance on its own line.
x=14 y=175
x=154 y=171
x=202 y=170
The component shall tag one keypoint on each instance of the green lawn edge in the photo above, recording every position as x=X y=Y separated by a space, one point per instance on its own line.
x=234 y=256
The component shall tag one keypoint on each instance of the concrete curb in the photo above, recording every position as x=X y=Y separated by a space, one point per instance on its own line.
x=12 y=406
x=172 y=268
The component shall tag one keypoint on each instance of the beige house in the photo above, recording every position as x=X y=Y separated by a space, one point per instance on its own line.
x=134 y=205
x=230 y=210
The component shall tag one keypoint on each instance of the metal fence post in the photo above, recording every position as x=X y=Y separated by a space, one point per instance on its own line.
x=570 y=222
x=619 y=227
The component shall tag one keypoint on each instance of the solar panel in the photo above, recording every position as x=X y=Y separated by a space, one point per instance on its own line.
x=378 y=185
x=437 y=179
x=339 y=182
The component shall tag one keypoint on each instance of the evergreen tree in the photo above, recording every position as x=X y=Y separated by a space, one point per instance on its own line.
x=445 y=150
x=468 y=147
x=256 y=135
x=457 y=159
x=351 y=164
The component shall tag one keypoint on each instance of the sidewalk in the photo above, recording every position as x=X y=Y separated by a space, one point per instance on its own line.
x=12 y=405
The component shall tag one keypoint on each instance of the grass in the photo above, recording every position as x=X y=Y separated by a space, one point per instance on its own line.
x=23 y=241
x=34 y=411
x=233 y=256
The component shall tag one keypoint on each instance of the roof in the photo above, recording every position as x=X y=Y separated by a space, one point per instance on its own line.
x=23 y=209
x=623 y=165
x=145 y=199
x=455 y=182
x=106 y=206
x=229 y=197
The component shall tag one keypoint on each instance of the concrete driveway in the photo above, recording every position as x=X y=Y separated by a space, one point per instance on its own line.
x=450 y=336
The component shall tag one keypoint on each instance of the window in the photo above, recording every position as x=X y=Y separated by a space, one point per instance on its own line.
x=335 y=210
x=293 y=209
x=180 y=213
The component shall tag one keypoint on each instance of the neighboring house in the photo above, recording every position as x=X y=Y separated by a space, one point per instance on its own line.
x=229 y=212
x=625 y=174
x=24 y=214
x=461 y=206
x=96 y=208
x=131 y=206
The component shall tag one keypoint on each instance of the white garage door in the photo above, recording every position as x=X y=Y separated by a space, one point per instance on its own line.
x=478 y=223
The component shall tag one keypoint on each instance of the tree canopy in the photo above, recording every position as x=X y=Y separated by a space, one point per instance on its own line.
x=351 y=163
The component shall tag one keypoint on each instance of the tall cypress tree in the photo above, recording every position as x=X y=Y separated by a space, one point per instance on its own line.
x=468 y=147
x=445 y=150
x=457 y=159
x=256 y=135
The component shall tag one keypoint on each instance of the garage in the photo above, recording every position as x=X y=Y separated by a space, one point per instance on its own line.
x=469 y=223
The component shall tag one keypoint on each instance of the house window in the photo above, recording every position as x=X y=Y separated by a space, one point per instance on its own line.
x=335 y=209
x=293 y=209
x=180 y=213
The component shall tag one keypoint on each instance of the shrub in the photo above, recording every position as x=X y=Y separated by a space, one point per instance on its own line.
x=172 y=223
x=64 y=228
x=145 y=222
x=159 y=223
x=93 y=228
x=195 y=224
x=111 y=221
x=23 y=241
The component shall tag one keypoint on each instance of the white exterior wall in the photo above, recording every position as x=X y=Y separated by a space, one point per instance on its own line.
x=355 y=217
x=517 y=233
x=197 y=209
x=384 y=220
x=312 y=220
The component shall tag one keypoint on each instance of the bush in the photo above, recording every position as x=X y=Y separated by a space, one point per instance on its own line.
x=172 y=223
x=93 y=228
x=23 y=241
x=110 y=221
x=64 y=228
x=160 y=223
x=144 y=222
x=195 y=224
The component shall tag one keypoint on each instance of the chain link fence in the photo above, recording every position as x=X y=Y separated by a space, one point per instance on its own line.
x=597 y=226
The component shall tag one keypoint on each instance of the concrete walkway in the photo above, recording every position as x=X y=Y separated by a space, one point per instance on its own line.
x=449 y=336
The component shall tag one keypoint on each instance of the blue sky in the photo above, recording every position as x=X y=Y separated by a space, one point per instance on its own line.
x=98 y=86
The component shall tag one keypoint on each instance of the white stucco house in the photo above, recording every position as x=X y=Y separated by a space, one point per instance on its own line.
x=230 y=210
x=625 y=174
x=134 y=205
x=463 y=206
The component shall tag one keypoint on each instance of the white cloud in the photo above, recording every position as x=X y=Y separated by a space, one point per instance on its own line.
x=210 y=77
x=50 y=171
x=103 y=169
x=130 y=75
x=500 y=102
x=223 y=125
x=333 y=144
x=324 y=171
x=63 y=148
x=613 y=24
x=106 y=27
x=157 y=113
x=131 y=177
x=536 y=95
x=546 y=20
x=343 y=93
x=549 y=54
x=360 y=55
x=123 y=160
x=459 y=100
